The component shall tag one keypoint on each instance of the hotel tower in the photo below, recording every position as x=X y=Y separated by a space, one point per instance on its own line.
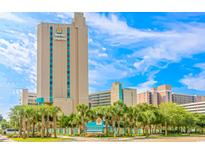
x=62 y=64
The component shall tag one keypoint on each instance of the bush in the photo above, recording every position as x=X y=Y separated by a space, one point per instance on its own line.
x=12 y=135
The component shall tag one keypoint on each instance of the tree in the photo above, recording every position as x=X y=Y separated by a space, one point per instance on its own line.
x=83 y=111
x=104 y=113
x=200 y=121
x=29 y=116
x=1 y=117
x=4 y=124
x=42 y=111
x=119 y=109
x=54 y=112
x=16 y=117
x=147 y=117
x=64 y=122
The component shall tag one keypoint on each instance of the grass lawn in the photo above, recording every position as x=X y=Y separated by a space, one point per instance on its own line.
x=41 y=139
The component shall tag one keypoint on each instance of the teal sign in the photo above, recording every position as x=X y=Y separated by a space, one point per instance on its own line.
x=93 y=127
x=40 y=100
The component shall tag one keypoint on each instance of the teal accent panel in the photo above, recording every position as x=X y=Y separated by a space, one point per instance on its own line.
x=68 y=62
x=51 y=65
x=120 y=92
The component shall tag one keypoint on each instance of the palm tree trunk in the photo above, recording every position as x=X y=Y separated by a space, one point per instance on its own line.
x=150 y=129
x=42 y=126
x=106 y=127
x=54 y=125
x=64 y=131
x=118 y=127
x=129 y=131
x=113 y=127
x=20 y=126
x=28 y=129
x=135 y=130
x=166 y=127
x=47 y=123
x=33 y=127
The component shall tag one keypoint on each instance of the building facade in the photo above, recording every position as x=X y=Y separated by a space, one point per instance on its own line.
x=195 y=107
x=199 y=98
x=130 y=96
x=182 y=98
x=117 y=93
x=27 y=98
x=100 y=99
x=162 y=93
x=144 y=97
x=62 y=63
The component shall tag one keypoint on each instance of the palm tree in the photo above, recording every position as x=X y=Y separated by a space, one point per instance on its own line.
x=29 y=115
x=16 y=116
x=113 y=119
x=54 y=112
x=76 y=122
x=129 y=120
x=72 y=122
x=83 y=112
x=64 y=122
x=119 y=109
x=103 y=112
x=47 y=116
x=107 y=116
x=42 y=110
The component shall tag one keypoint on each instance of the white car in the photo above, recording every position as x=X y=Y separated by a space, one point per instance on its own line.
x=10 y=131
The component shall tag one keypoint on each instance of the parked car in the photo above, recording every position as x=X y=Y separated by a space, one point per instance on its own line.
x=10 y=131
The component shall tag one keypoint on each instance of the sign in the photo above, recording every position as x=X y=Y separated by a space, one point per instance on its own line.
x=99 y=121
x=59 y=36
x=93 y=127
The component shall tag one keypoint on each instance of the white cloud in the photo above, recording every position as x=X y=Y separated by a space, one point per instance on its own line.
x=167 y=50
x=104 y=49
x=196 y=82
x=101 y=73
x=20 y=55
x=180 y=41
x=11 y=17
x=146 y=85
x=103 y=55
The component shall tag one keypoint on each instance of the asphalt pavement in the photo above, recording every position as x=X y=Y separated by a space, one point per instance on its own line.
x=4 y=139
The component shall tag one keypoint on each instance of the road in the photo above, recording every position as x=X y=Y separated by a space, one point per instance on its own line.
x=138 y=139
x=4 y=139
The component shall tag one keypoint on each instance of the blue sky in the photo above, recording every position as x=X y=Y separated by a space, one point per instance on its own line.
x=140 y=50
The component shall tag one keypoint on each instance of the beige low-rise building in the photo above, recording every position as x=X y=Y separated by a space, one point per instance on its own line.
x=144 y=97
x=182 y=98
x=116 y=92
x=127 y=95
x=102 y=98
x=130 y=96
x=161 y=94
x=195 y=107
x=199 y=98
x=27 y=98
